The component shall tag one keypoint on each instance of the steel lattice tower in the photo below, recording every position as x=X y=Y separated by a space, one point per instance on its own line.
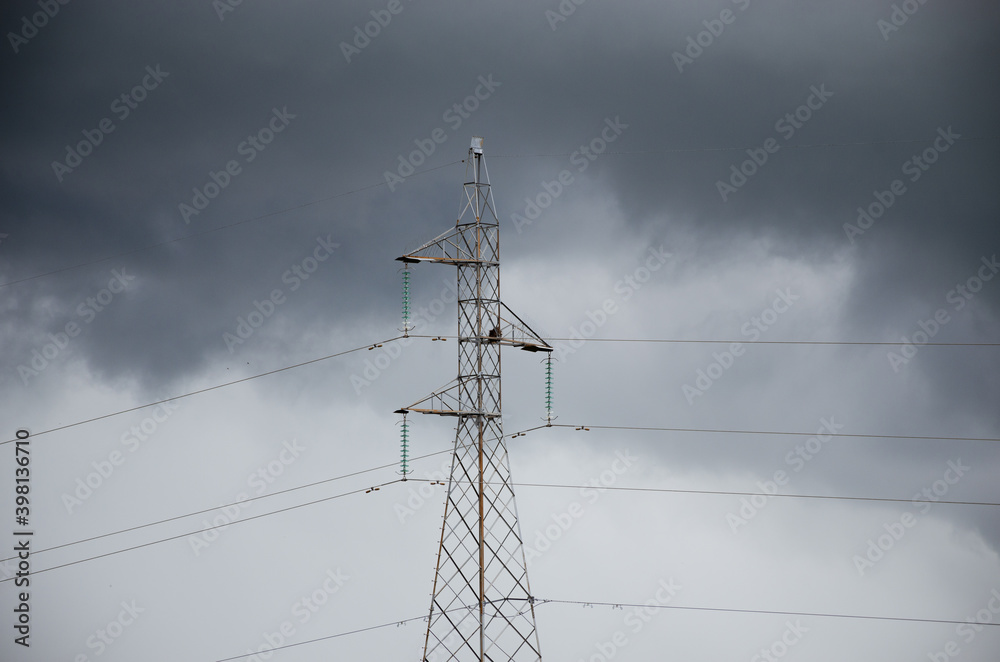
x=481 y=606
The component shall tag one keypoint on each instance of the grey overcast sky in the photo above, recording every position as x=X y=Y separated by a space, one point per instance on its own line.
x=197 y=192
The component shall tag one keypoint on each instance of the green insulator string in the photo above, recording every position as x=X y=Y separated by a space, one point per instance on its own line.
x=548 y=389
x=404 y=449
x=406 y=300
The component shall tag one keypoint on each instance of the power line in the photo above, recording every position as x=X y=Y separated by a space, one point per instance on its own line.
x=554 y=425
x=203 y=390
x=744 y=341
x=208 y=510
x=209 y=528
x=542 y=485
x=727 y=493
x=763 y=611
x=613 y=605
x=857 y=435
x=342 y=634
x=215 y=229
x=667 y=150
x=369 y=346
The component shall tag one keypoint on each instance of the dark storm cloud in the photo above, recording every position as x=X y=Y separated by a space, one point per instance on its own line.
x=555 y=86
x=353 y=121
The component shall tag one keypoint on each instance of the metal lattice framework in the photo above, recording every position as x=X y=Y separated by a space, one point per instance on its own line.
x=481 y=606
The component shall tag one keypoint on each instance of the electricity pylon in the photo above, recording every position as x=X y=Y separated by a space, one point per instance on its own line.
x=481 y=605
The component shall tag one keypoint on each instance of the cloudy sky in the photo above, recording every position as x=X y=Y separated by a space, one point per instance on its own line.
x=200 y=192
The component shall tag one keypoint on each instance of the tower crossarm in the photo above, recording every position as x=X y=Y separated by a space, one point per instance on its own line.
x=445 y=402
x=515 y=332
x=456 y=246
